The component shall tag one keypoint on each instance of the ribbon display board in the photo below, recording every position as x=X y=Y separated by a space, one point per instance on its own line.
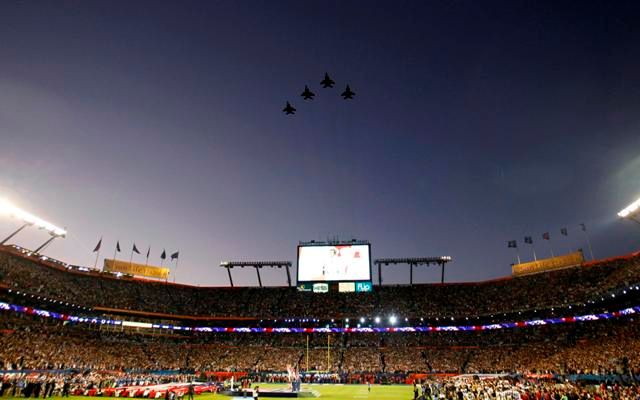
x=548 y=264
x=126 y=267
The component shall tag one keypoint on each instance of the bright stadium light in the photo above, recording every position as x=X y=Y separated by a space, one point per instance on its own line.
x=393 y=320
x=630 y=211
x=8 y=209
x=377 y=320
x=362 y=320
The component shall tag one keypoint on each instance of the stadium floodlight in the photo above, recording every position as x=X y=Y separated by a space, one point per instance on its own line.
x=377 y=320
x=413 y=262
x=393 y=320
x=630 y=211
x=362 y=320
x=228 y=265
x=6 y=208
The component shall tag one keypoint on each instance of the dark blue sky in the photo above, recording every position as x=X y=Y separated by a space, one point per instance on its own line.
x=474 y=123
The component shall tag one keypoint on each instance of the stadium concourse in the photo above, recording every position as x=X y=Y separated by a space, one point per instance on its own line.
x=91 y=330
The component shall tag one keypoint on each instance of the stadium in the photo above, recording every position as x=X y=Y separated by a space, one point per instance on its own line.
x=340 y=200
x=85 y=331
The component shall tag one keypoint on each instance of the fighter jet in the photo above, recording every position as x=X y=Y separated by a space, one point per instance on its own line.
x=348 y=94
x=289 y=109
x=307 y=94
x=327 y=82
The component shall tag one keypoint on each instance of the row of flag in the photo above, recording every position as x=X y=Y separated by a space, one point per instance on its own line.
x=163 y=256
x=545 y=236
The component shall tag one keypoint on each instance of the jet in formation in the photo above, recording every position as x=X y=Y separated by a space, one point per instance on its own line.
x=327 y=82
x=307 y=94
x=289 y=109
x=348 y=93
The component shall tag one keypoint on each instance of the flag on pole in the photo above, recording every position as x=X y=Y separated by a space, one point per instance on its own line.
x=586 y=235
x=97 y=248
x=546 y=236
x=564 y=232
x=514 y=245
x=118 y=246
x=175 y=256
x=135 y=249
x=163 y=255
x=148 y=252
x=97 y=251
x=529 y=240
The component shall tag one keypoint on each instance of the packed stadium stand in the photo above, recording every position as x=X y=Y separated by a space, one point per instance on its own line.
x=571 y=286
x=602 y=347
x=29 y=340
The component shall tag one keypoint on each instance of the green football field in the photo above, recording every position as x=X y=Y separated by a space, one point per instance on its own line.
x=326 y=391
x=355 y=392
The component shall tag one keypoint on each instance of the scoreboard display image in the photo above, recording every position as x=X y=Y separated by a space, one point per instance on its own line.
x=334 y=263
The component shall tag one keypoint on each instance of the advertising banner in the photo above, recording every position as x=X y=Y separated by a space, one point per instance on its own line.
x=548 y=264
x=126 y=267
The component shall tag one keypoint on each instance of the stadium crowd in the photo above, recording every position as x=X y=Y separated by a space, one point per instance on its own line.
x=44 y=355
x=595 y=347
x=519 y=389
x=425 y=300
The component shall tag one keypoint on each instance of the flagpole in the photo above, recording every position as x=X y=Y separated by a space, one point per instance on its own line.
x=175 y=272
x=588 y=243
x=147 y=262
x=95 y=264
x=518 y=255
x=163 y=255
x=114 y=255
x=130 y=259
x=98 y=248
x=534 y=252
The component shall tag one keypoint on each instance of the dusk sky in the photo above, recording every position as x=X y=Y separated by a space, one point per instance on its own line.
x=474 y=123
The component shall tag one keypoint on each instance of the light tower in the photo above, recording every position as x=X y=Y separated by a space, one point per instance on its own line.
x=8 y=209
x=631 y=212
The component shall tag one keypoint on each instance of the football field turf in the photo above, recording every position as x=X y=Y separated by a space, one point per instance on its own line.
x=356 y=392
x=326 y=391
x=341 y=392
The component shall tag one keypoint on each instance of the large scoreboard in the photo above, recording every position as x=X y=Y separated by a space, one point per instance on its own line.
x=346 y=266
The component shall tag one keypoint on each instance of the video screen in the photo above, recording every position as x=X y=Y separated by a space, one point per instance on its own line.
x=334 y=263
